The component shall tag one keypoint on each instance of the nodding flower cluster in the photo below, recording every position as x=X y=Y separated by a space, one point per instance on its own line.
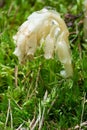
x=49 y=26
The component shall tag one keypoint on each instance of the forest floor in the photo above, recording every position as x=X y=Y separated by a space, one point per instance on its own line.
x=34 y=96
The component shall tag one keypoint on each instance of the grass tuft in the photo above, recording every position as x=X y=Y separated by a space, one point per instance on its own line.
x=34 y=95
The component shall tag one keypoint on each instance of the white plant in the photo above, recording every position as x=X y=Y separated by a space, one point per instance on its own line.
x=48 y=25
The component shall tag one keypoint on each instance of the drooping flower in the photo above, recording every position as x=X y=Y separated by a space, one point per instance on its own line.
x=48 y=25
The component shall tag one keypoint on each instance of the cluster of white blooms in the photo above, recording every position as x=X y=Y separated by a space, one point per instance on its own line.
x=85 y=19
x=48 y=25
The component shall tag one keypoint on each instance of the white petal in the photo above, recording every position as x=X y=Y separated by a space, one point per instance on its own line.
x=49 y=47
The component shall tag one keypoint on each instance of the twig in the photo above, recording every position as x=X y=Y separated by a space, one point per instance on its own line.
x=9 y=113
x=11 y=118
x=20 y=126
x=16 y=76
x=42 y=119
x=35 y=124
x=84 y=124
x=45 y=96
x=78 y=127
x=32 y=122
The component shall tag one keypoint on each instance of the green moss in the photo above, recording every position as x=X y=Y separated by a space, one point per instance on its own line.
x=65 y=96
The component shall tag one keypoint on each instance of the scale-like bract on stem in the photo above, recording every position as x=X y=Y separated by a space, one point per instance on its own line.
x=48 y=25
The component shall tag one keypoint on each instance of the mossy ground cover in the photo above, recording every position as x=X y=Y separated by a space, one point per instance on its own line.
x=37 y=90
